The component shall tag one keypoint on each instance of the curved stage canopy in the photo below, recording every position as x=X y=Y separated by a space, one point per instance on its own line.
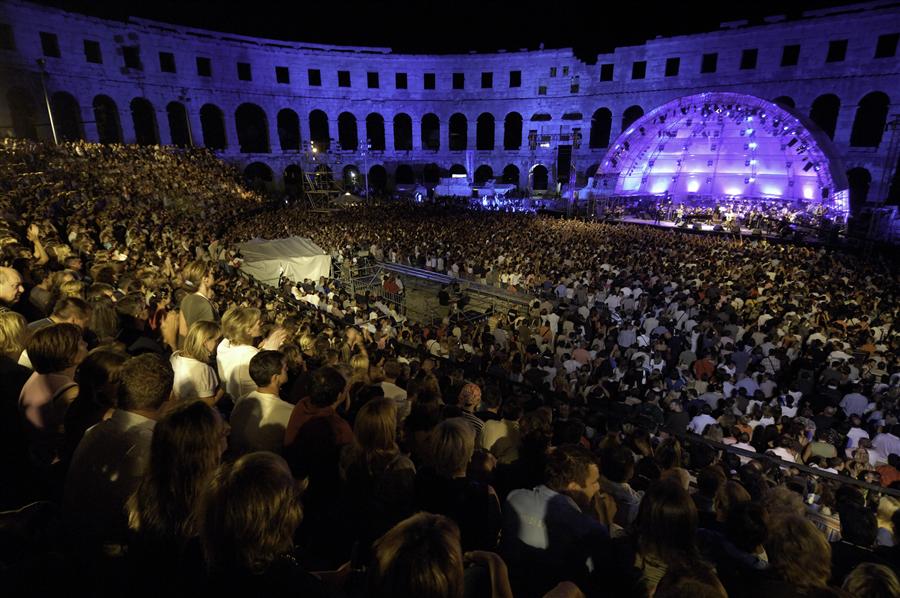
x=724 y=146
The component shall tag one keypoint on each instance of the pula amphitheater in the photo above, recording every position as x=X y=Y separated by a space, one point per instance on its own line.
x=538 y=120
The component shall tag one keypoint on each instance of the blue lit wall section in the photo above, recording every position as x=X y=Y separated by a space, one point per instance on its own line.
x=724 y=146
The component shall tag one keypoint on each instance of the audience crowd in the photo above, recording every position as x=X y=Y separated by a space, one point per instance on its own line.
x=670 y=415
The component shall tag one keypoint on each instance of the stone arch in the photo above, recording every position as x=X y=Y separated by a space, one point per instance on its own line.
x=601 y=127
x=106 y=115
x=403 y=133
x=348 y=133
x=288 y=130
x=484 y=132
x=483 y=174
x=252 y=129
x=512 y=131
x=179 y=132
x=377 y=178
x=511 y=175
x=143 y=115
x=859 y=179
x=631 y=114
x=212 y=122
x=824 y=112
x=868 y=124
x=293 y=178
x=431 y=173
x=258 y=170
x=66 y=116
x=351 y=176
x=457 y=169
x=258 y=175
x=404 y=175
x=318 y=130
x=431 y=132
x=785 y=102
x=23 y=113
x=539 y=178
x=459 y=132
x=375 y=132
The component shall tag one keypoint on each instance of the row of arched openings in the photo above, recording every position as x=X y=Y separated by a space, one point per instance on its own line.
x=252 y=125
x=259 y=172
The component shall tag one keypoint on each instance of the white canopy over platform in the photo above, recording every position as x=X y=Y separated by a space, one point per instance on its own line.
x=298 y=258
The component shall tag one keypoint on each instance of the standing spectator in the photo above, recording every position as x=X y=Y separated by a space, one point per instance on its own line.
x=111 y=459
x=200 y=280
x=195 y=378
x=248 y=517
x=55 y=351
x=259 y=418
x=187 y=446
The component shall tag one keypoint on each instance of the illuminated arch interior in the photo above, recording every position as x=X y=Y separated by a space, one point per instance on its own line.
x=724 y=146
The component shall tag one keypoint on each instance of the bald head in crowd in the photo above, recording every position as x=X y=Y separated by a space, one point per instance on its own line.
x=10 y=286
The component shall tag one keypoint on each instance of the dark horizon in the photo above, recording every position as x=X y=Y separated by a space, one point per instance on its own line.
x=486 y=26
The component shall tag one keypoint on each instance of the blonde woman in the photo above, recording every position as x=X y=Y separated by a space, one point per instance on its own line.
x=240 y=327
x=194 y=377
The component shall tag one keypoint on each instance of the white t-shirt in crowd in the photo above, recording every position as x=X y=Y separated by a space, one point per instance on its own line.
x=258 y=422
x=193 y=379
x=233 y=362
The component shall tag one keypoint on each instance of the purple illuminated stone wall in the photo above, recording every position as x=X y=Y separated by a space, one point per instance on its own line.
x=505 y=115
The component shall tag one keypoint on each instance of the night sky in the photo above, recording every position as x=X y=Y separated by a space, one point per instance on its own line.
x=429 y=26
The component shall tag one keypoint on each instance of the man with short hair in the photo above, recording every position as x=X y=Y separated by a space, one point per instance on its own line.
x=551 y=531
x=69 y=310
x=113 y=455
x=259 y=419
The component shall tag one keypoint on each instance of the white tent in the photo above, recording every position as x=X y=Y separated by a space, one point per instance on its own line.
x=295 y=257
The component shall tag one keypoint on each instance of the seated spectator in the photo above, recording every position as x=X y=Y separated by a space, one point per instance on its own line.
x=872 y=581
x=259 y=419
x=800 y=558
x=421 y=556
x=665 y=528
x=618 y=469
x=697 y=582
x=443 y=486
x=552 y=531
x=188 y=442
x=378 y=488
x=112 y=458
x=195 y=378
x=248 y=517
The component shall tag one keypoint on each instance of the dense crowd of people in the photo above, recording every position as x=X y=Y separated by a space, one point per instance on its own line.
x=672 y=415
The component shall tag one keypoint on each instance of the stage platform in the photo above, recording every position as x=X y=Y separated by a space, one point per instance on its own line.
x=807 y=236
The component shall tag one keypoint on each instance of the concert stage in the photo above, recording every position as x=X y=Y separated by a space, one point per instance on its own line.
x=806 y=236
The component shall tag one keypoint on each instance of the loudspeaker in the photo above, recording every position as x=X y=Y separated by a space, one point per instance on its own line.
x=718 y=228
x=698 y=226
x=756 y=232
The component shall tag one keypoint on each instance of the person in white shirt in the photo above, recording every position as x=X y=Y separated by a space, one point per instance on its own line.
x=392 y=370
x=704 y=418
x=240 y=325
x=194 y=377
x=887 y=443
x=259 y=419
